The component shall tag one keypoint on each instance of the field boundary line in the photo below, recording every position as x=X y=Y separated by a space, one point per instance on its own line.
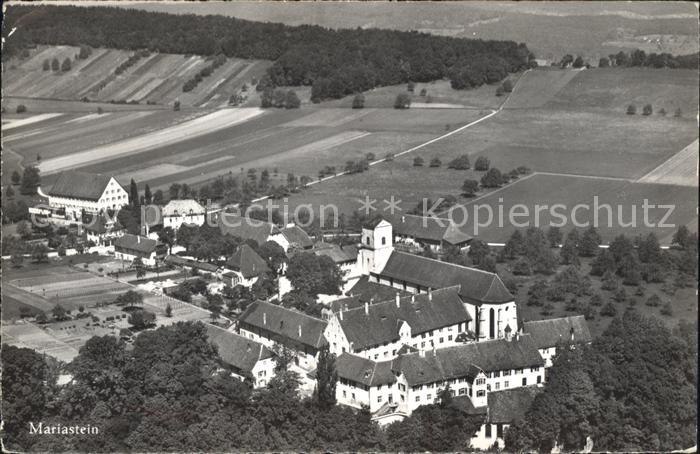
x=689 y=150
x=506 y=186
x=592 y=177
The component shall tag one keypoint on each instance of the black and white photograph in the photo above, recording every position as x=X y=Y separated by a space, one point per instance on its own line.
x=349 y=226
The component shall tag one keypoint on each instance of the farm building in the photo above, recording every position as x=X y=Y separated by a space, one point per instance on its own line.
x=425 y=231
x=128 y=247
x=246 y=359
x=178 y=212
x=244 y=267
x=75 y=193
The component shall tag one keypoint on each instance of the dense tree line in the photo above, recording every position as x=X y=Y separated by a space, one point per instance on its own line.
x=633 y=389
x=640 y=58
x=169 y=393
x=334 y=62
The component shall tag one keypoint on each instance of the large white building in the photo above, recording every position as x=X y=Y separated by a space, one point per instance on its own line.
x=76 y=193
x=186 y=211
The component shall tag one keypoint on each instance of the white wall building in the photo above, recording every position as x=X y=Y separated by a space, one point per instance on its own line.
x=79 y=192
x=178 y=212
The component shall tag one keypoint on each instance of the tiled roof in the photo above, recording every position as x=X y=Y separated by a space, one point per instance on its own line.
x=464 y=403
x=382 y=321
x=181 y=261
x=466 y=360
x=246 y=261
x=237 y=351
x=366 y=290
x=246 y=228
x=428 y=228
x=373 y=222
x=285 y=323
x=548 y=333
x=337 y=253
x=135 y=243
x=80 y=185
x=510 y=405
x=477 y=286
x=364 y=371
x=297 y=237
x=183 y=207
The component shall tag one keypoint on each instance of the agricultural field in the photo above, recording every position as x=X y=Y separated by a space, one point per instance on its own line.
x=153 y=79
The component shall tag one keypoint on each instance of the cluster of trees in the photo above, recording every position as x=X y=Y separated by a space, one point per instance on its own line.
x=640 y=58
x=167 y=393
x=131 y=61
x=205 y=72
x=56 y=66
x=633 y=389
x=505 y=87
x=648 y=110
x=335 y=63
x=311 y=275
x=271 y=97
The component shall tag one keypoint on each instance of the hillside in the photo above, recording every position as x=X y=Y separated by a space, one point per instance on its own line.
x=156 y=79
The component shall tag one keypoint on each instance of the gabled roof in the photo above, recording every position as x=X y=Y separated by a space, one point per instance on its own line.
x=364 y=371
x=477 y=286
x=381 y=323
x=185 y=207
x=247 y=262
x=237 y=351
x=373 y=222
x=510 y=405
x=337 y=253
x=428 y=228
x=80 y=185
x=135 y=243
x=246 y=228
x=297 y=237
x=468 y=359
x=365 y=290
x=548 y=333
x=285 y=323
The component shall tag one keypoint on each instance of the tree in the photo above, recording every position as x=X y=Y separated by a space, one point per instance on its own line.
x=215 y=304
x=410 y=87
x=292 y=101
x=500 y=91
x=17 y=260
x=55 y=65
x=492 y=179
x=326 y=378
x=16 y=177
x=176 y=105
x=507 y=86
x=312 y=274
x=554 y=236
x=65 y=67
x=59 y=313
x=681 y=238
x=358 y=102
x=24 y=230
x=46 y=66
x=138 y=265
x=647 y=110
x=460 y=163
x=418 y=161
x=403 y=101
x=578 y=63
x=522 y=267
x=482 y=163
x=134 y=193
x=435 y=162
x=604 y=62
x=478 y=251
x=678 y=113
x=158 y=198
x=141 y=319
x=168 y=310
x=470 y=187
x=604 y=262
x=40 y=253
x=588 y=246
x=631 y=109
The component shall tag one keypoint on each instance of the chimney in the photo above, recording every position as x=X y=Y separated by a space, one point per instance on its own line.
x=403 y=219
x=398 y=300
x=352 y=347
x=430 y=294
x=366 y=308
x=264 y=318
x=299 y=330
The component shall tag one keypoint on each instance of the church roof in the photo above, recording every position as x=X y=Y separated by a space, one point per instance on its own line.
x=80 y=185
x=476 y=286
x=428 y=228
x=236 y=350
x=337 y=253
x=548 y=333
x=246 y=261
x=382 y=321
x=286 y=323
x=366 y=290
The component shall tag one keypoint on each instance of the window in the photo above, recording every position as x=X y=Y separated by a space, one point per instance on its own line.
x=506 y=373
x=449 y=338
x=353 y=396
x=430 y=397
x=386 y=354
x=383 y=241
x=498 y=386
x=534 y=369
x=462 y=391
x=422 y=336
x=480 y=393
x=488 y=431
x=499 y=430
x=524 y=381
x=344 y=394
x=496 y=374
x=506 y=384
x=539 y=379
x=480 y=381
x=442 y=340
x=422 y=345
x=376 y=356
x=367 y=241
x=418 y=398
x=379 y=398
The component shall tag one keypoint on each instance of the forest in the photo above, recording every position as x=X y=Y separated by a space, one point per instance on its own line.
x=334 y=62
